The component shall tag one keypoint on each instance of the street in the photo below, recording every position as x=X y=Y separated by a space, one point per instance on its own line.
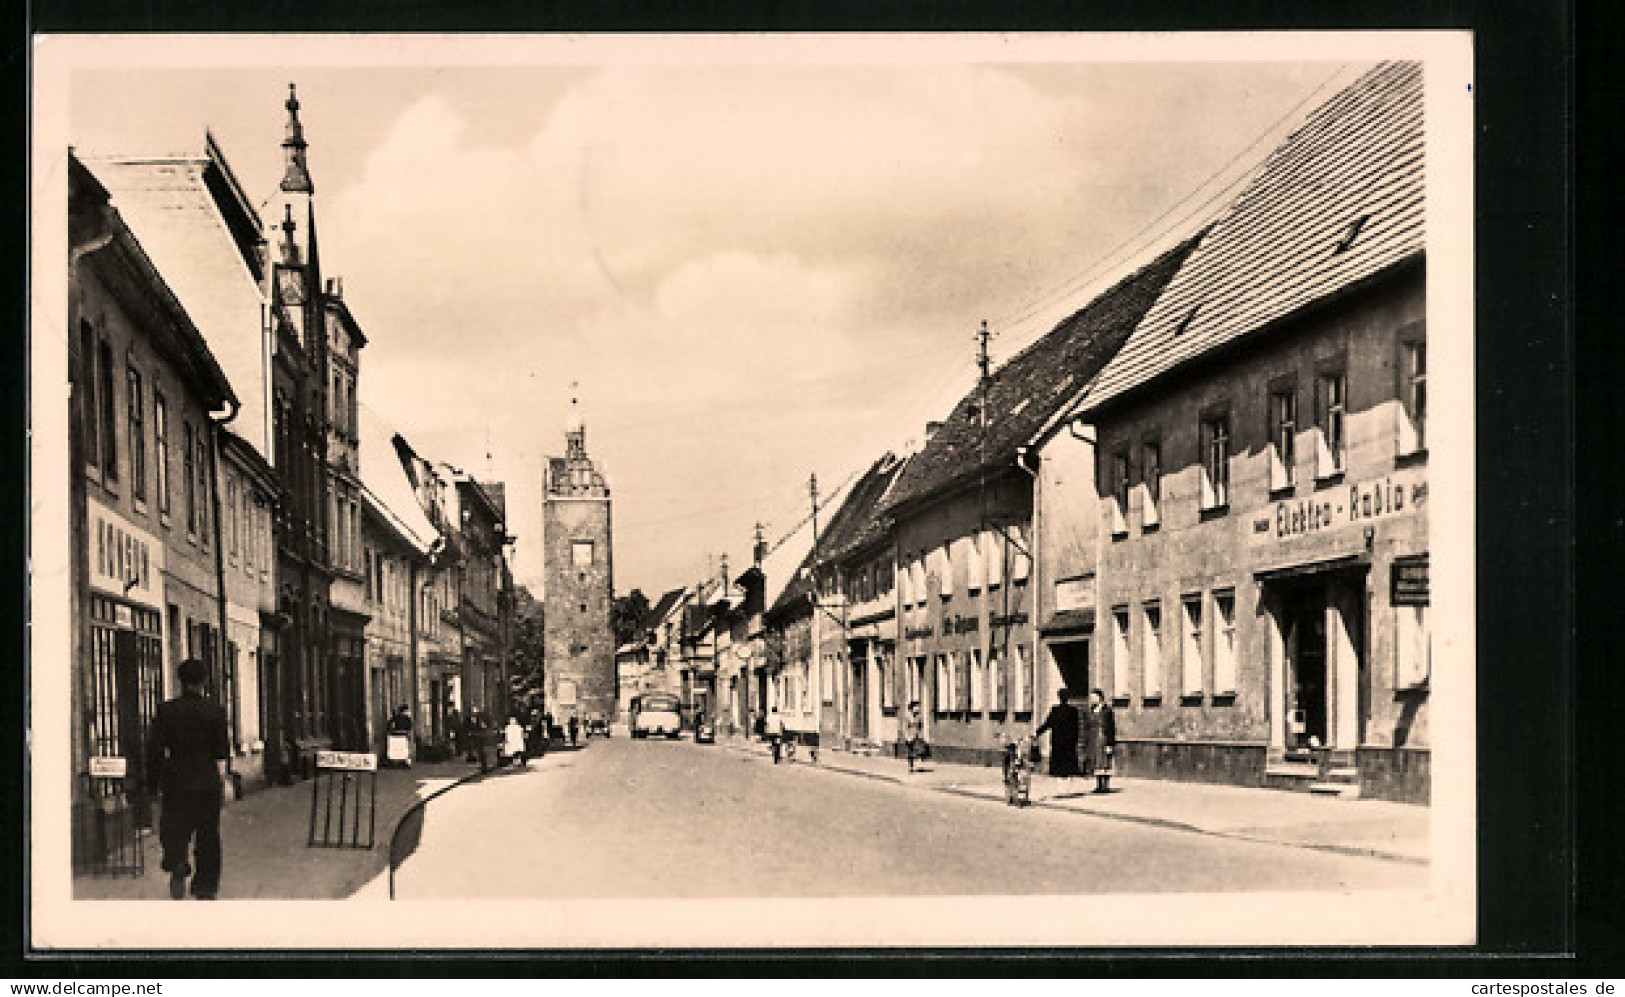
x=675 y=820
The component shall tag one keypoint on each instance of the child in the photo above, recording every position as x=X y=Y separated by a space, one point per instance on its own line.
x=1018 y=772
x=513 y=742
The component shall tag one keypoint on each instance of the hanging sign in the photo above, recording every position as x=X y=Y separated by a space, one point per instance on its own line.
x=125 y=561
x=1408 y=585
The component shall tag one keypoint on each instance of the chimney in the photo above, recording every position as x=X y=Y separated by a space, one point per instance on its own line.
x=931 y=428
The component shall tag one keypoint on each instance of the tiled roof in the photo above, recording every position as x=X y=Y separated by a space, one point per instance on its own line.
x=167 y=204
x=1275 y=250
x=1028 y=390
x=662 y=608
x=859 y=519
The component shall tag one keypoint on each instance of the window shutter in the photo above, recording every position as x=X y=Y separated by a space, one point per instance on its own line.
x=1020 y=558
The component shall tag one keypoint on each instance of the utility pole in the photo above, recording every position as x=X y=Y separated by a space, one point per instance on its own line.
x=815 y=655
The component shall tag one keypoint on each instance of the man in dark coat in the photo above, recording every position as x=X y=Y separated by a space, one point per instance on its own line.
x=187 y=745
x=1062 y=724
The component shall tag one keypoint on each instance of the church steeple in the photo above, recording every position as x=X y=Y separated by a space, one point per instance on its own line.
x=295 y=175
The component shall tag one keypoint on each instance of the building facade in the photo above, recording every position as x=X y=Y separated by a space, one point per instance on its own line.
x=579 y=581
x=145 y=390
x=1241 y=532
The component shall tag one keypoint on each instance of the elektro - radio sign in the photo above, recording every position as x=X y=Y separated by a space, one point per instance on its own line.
x=1359 y=503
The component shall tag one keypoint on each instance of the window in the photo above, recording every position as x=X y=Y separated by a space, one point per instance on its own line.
x=89 y=410
x=945 y=571
x=138 y=435
x=203 y=518
x=1024 y=680
x=914 y=681
x=1190 y=660
x=1413 y=372
x=160 y=434
x=1224 y=643
x=942 y=689
x=886 y=667
x=993 y=547
x=1331 y=401
x=1151 y=652
x=1021 y=560
x=231 y=517
x=978 y=682
x=188 y=456
x=999 y=665
x=251 y=535
x=1215 y=462
x=581 y=553
x=1120 y=662
x=1119 y=485
x=1283 y=433
x=1150 y=484
x=105 y=402
x=975 y=563
x=372 y=589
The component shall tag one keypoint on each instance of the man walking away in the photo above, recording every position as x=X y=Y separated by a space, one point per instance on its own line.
x=188 y=743
x=773 y=727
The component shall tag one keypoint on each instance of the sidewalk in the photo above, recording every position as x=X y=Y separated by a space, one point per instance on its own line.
x=264 y=839
x=1396 y=832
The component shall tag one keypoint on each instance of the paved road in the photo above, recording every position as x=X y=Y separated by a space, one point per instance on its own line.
x=624 y=819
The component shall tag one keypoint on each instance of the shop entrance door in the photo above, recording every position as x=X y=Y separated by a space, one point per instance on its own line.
x=1305 y=639
x=1071 y=658
x=859 y=687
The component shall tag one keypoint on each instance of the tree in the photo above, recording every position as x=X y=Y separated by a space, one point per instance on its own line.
x=525 y=680
x=628 y=615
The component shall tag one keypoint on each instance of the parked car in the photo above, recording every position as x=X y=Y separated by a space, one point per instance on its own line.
x=597 y=725
x=705 y=733
x=659 y=714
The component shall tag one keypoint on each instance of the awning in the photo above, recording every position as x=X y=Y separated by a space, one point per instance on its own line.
x=1069 y=621
x=1345 y=563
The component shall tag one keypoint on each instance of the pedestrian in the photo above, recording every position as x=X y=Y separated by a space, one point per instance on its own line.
x=454 y=730
x=398 y=746
x=480 y=738
x=538 y=733
x=575 y=728
x=914 y=744
x=1099 y=739
x=773 y=727
x=188 y=744
x=513 y=741
x=1062 y=724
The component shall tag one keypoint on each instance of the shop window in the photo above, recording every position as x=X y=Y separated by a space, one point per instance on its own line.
x=1151 y=651
x=942 y=689
x=1283 y=431
x=1413 y=387
x=1224 y=643
x=1190 y=658
x=999 y=666
x=914 y=680
x=1150 y=484
x=1117 y=508
x=1415 y=659
x=137 y=403
x=1331 y=410
x=1120 y=659
x=160 y=439
x=1215 y=462
x=978 y=682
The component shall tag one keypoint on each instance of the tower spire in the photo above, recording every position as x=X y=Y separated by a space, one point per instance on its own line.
x=575 y=430
x=295 y=174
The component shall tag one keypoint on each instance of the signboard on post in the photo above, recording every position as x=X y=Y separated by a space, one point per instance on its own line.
x=108 y=767
x=353 y=761
x=336 y=820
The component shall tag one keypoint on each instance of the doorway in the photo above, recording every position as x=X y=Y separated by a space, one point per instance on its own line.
x=1304 y=634
x=859 y=692
x=1071 y=657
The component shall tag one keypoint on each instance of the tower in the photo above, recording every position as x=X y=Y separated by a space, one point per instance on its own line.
x=579 y=581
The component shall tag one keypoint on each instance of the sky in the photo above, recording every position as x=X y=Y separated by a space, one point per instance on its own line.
x=756 y=269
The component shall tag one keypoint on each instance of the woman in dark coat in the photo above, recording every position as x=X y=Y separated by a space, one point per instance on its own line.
x=1099 y=739
x=1062 y=723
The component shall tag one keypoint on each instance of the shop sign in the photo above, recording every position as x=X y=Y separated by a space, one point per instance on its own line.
x=125 y=562
x=1408 y=584
x=1075 y=593
x=1357 y=504
x=350 y=761
x=108 y=767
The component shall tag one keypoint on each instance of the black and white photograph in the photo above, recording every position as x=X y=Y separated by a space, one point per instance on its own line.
x=765 y=491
